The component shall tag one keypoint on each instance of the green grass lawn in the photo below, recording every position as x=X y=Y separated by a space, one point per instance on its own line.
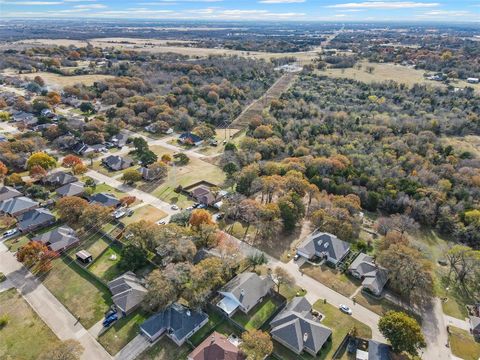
x=166 y=349
x=122 y=332
x=14 y=244
x=82 y=294
x=340 y=324
x=104 y=188
x=25 y=336
x=332 y=278
x=463 y=345
x=214 y=319
x=456 y=298
x=104 y=267
x=257 y=316
x=380 y=306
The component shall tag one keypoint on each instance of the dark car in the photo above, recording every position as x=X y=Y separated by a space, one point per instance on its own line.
x=110 y=320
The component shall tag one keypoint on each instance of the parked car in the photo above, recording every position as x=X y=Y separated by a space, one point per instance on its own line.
x=161 y=222
x=118 y=214
x=296 y=257
x=196 y=205
x=202 y=206
x=10 y=232
x=174 y=207
x=345 y=309
x=110 y=320
x=219 y=216
x=129 y=212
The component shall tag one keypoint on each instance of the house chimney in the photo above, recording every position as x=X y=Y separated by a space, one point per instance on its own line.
x=305 y=337
x=188 y=313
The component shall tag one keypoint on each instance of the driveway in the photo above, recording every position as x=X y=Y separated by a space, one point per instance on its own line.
x=52 y=311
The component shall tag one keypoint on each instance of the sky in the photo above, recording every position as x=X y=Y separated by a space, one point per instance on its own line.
x=249 y=10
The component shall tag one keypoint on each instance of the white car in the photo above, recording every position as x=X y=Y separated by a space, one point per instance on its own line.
x=161 y=222
x=345 y=309
x=117 y=214
x=174 y=207
x=10 y=232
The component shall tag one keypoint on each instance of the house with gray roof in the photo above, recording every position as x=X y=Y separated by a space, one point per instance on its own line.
x=376 y=351
x=7 y=192
x=59 y=178
x=243 y=292
x=117 y=163
x=35 y=219
x=296 y=328
x=373 y=276
x=128 y=292
x=59 y=239
x=475 y=326
x=104 y=199
x=76 y=188
x=324 y=246
x=178 y=322
x=17 y=206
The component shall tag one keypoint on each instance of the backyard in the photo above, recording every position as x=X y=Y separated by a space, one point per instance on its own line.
x=258 y=315
x=463 y=345
x=166 y=349
x=25 y=336
x=105 y=266
x=122 y=332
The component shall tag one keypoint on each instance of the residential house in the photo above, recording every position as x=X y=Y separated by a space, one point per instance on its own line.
x=117 y=163
x=475 y=326
x=22 y=116
x=17 y=206
x=81 y=149
x=148 y=174
x=98 y=148
x=373 y=276
x=59 y=239
x=296 y=328
x=244 y=292
x=59 y=178
x=47 y=113
x=204 y=195
x=76 y=188
x=216 y=347
x=128 y=292
x=324 y=246
x=472 y=80
x=105 y=199
x=190 y=139
x=120 y=140
x=178 y=322
x=35 y=219
x=7 y=192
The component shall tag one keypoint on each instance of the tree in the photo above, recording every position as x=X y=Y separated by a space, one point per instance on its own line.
x=70 y=161
x=256 y=344
x=70 y=208
x=161 y=292
x=37 y=172
x=41 y=159
x=166 y=158
x=3 y=171
x=39 y=80
x=181 y=159
x=128 y=200
x=159 y=170
x=256 y=259
x=403 y=332
x=132 y=258
x=131 y=176
x=230 y=169
x=282 y=277
x=87 y=108
x=148 y=157
x=36 y=255
x=291 y=210
x=92 y=214
x=200 y=217
x=79 y=169
x=14 y=180
x=182 y=218
x=143 y=234
x=37 y=192
x=66 y=350
x=465 y=264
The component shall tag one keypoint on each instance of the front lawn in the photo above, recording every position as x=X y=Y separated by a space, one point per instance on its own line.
x=16 y=243
x=380 y=306
x=340 y=324
x=147 y=212
x=104 y=188
x=122 y=332
x=332 y=278
x=166 y=349
x=84 y=296
x=463 y=345
x=25 y=336
x=104 y=266
x=257 y=316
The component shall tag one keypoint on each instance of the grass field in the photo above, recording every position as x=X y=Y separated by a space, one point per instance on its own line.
x=378 y=306
x=60 y=81
x=166 y=349
x=147 y=212
x=104 y=267
x=82 y=295
x=257 y=316
x=122 y=332
x=16 y=243
x=332 y=278
x=387 y=71
x=25 y=336
x=463 y=345
x=104 y=188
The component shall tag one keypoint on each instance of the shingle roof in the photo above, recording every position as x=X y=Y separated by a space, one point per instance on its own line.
x=17 y=204
x=216 y=347
x=59 y=178
x=128 y=291
x=374 y=277
x=176 y=319
x=248 y=288
x=7 y=192
x=35 y=218
x=318 y=243
x=475 y=322
x=192 y=137
x=104 y=199
x=58 y=239
x=116 y=162
x=378 y=351
x=72 y=189
x=296 y=327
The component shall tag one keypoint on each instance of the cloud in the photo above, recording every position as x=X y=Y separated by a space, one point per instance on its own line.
x=90 y=6
x=32 y=3
x=280 y=1
x=384 y=5
x=447 y=14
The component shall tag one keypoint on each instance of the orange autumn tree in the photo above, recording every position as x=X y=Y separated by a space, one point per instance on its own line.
x=3 y=171
x=70 y=161
x=200 y=217
x=37 y=256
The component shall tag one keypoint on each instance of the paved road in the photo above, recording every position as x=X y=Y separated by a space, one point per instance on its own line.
x=134 y=348
x=435 y=332
x=52 y=312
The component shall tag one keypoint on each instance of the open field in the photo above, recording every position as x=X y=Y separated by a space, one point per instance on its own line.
x=122 y=332
x=82 y=295
x=25 y=336
x=386 y=71
x=332 y=278
x=59 y=81
x=463 y=345
x=147 y=212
